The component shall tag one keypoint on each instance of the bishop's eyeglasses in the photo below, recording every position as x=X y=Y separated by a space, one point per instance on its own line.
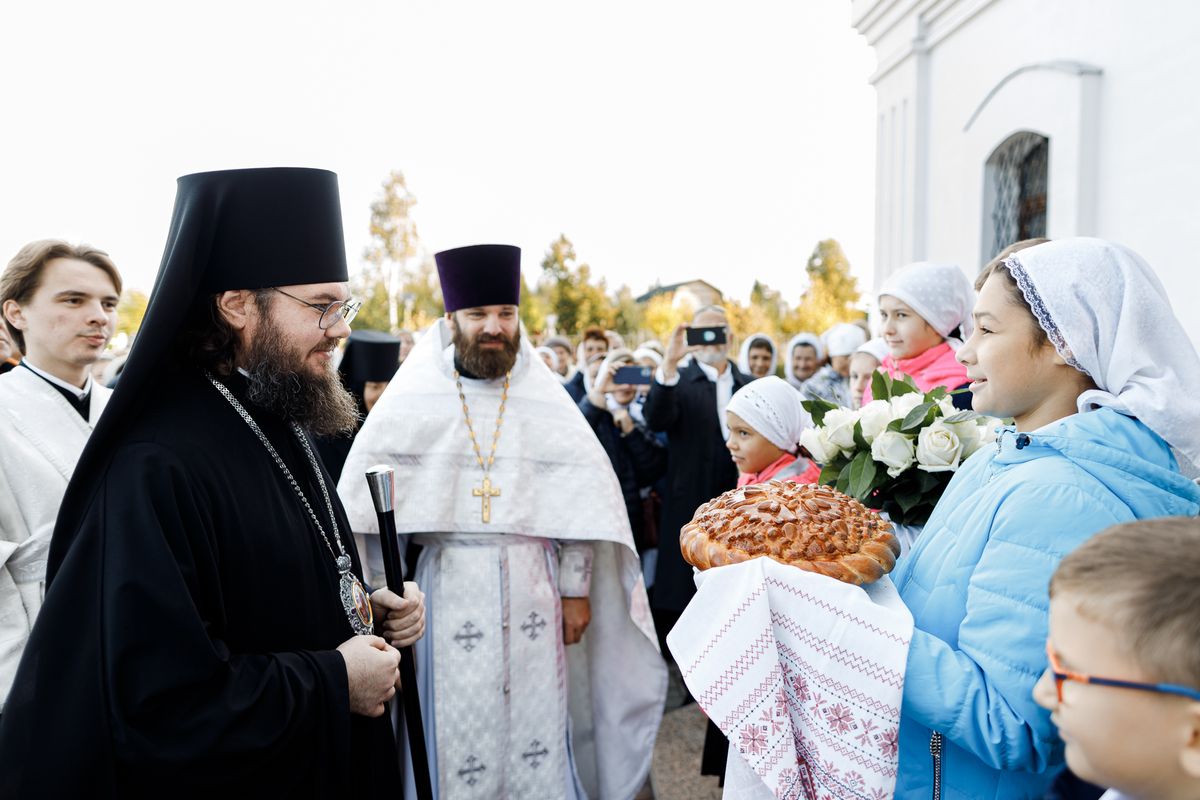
x=330 y=313
x=1061 y=675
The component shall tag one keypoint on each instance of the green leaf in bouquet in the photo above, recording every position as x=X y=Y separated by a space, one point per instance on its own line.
x=862 y=474
x=817 y=409
x=843 y=479
x=936 y=393
x=962 y=416
x=829 y=474
x=895 y=424
x=917 y=417
x=881 y=386
x=904 y=386
x=907 y=499
x=930 y=481
x=860 y=441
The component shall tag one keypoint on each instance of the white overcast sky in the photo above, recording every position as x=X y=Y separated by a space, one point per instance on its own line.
x=668 y=140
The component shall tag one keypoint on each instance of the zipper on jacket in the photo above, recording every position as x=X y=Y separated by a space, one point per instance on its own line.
x=935 y=750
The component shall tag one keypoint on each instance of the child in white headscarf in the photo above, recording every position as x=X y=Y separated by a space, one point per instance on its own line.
x=924 y=309
x=757 y=357
x=832 y=381
x=549 y=357
x=1075 y=340
x=804 y=356
x=863 y=365
x=765 y=420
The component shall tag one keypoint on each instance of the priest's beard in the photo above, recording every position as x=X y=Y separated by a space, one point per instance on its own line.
x=486 y=364
x=280 y=382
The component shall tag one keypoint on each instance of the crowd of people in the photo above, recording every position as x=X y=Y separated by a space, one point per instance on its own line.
x=193 y=575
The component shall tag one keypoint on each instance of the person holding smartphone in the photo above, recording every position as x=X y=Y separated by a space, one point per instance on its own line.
x=637 y=457
x=688 y=404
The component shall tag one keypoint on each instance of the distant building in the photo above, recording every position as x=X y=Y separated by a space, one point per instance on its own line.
x=1004 y=119
x=695 y=294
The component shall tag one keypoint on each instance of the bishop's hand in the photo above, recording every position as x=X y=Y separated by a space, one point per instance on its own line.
x=372 y=672
x=400 y=620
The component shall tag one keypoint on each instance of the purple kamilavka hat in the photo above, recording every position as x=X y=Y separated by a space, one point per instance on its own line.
x=480 y=275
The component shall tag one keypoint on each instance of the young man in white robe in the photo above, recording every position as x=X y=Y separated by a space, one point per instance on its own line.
x=59 y=303
x=539 y=672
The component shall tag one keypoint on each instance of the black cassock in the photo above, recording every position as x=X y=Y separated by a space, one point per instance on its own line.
x=187 y=640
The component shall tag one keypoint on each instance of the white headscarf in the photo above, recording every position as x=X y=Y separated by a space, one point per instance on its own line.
x=1108 y=315
x=843 y=339
x=645 y=352
x=810 y=339
x=744 y=354
x=877 y=347
x=553 y=356
x=940 y=293
x=773 y=409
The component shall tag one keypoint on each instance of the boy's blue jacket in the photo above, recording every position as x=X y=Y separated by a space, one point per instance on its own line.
x=977 y=585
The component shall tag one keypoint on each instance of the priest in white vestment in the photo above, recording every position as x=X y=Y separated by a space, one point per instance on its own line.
x=525 y=549
x=59 y=303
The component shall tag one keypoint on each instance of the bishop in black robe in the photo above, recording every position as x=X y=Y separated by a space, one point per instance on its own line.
x=187 y=643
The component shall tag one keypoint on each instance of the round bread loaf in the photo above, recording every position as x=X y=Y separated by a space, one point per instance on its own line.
x=813 y=527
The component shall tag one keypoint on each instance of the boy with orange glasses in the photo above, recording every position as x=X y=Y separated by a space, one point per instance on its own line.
x=1123 y=683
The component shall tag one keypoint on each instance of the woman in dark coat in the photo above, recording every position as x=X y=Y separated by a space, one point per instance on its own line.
x=637 y=457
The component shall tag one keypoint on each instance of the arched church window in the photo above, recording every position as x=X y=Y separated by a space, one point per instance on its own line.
x=1015 y=192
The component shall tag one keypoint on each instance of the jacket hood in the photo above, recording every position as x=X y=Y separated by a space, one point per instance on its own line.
x=1121 y=452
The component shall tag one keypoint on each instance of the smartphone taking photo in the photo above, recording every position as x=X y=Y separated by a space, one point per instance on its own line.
x=702 y=336
x=633 y=376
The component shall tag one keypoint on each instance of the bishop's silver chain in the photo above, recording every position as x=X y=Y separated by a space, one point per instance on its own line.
x=340 y=557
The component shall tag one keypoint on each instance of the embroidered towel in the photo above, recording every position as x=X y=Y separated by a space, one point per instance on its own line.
x=804 y=675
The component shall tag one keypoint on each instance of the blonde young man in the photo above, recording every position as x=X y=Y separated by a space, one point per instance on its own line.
x=59 y=303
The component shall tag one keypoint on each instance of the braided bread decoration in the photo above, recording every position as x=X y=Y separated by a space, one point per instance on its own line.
x=813 y=527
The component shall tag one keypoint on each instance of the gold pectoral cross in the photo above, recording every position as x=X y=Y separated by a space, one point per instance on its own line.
x=486 y=493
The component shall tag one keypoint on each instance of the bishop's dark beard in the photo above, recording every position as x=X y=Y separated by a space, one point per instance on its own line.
x=279 y=382
x=486 y=364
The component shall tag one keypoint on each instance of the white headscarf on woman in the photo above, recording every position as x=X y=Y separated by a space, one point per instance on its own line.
x=876 y=347
x=1108 y=315
x=843 y=339
x=744 y=354
x=549 y=351
x=810 y=339
x=645 y=352
x=773 y=409
x=940 y=293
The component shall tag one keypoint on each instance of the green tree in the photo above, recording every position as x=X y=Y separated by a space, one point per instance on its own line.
x=393 y=244
x=571 y=296
x=832 y=295
x=533 y=310
x=130 y=311
x=662 y=316
x=628 y=313
x=772 y=305
x=419 y=300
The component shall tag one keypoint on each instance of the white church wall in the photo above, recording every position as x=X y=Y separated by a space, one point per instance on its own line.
x=1122 y=163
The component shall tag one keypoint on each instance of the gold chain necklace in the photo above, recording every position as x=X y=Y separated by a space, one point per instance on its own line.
x=486 y=491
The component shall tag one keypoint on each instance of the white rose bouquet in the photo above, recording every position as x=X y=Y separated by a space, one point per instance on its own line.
x=898 y=452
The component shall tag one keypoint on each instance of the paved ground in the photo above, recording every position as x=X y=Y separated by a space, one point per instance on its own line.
x=675 y=774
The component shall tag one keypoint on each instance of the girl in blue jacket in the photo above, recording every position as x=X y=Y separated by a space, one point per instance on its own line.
x=1076 y=342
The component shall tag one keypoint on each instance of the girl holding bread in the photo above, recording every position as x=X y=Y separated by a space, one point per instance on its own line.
x=1075 y=341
